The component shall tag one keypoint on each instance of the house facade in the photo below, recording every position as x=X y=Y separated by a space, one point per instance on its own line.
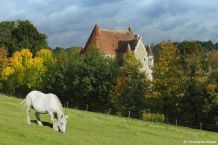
x=114 y=43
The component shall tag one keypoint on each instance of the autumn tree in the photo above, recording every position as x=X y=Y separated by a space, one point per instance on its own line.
x=200 y=92
x=213 y=65
x=212 y=87
x=168 y=81
x=23 y=72
x=50 y=63
x=131 y=88
x=4 y=60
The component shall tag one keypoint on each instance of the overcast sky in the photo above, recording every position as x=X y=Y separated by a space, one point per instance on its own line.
x=70 y=22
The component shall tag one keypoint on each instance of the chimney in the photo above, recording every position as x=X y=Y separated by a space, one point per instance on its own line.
x=149 y=50
x=130 y=30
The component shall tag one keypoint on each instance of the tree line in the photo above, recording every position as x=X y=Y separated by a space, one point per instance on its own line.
x=184 y=86
x=185 y=83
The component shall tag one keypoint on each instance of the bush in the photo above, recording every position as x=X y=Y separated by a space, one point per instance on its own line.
x=156 y=117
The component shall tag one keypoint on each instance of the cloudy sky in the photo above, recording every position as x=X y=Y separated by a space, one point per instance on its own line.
x=70 y=22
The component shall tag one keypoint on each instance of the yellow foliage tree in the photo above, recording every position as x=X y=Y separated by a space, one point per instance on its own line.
x=168 y=79
x=24 y=70
x=46 y=55
x=49 y=62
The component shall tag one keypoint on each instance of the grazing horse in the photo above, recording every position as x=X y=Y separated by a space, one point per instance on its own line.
x=46 y=103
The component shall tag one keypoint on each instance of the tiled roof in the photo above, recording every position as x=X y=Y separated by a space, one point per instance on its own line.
x=113 y=42
x=108 y=41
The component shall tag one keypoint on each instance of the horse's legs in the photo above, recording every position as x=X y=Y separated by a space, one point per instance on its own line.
x=54 y=121
x=38 y=119
x=28 y=114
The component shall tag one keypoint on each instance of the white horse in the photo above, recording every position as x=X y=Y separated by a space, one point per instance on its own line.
x=46 y=103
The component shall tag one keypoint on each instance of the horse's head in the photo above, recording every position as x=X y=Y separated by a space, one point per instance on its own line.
x=63 y=123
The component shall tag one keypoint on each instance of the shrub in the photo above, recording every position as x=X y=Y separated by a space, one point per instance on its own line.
x=156 y=117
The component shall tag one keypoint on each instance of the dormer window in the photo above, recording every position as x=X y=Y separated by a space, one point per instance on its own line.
x=150 y=61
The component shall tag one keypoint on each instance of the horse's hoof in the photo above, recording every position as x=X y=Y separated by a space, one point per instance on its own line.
x=56 y=129
x=40 y=123
x=28 y=122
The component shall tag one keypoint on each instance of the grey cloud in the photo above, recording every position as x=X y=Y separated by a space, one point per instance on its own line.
x=69 y=23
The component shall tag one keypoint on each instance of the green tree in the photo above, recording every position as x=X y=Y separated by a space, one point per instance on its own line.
x=26 y=35
x=94 y=76
x=56 y=66
x=200 y=92
x=15 y=35
x=6 y=38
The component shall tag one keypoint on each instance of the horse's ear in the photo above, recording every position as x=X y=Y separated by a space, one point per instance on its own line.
x=66 y=116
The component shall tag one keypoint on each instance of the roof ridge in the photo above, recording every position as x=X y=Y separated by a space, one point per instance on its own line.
x=114 y=30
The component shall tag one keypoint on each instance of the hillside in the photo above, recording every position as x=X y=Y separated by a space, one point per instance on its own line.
x=86 y=128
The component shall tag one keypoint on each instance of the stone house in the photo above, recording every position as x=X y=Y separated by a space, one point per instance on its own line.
x=114 y=43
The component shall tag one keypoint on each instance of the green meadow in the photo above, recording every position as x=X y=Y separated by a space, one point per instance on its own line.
x=87 y=128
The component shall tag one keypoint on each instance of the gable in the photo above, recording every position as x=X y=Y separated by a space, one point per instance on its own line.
x=140 y=50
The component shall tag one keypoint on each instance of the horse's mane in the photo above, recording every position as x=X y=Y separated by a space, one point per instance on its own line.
x=59 y=103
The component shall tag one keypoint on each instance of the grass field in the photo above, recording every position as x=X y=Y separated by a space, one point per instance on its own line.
x=86 y=128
